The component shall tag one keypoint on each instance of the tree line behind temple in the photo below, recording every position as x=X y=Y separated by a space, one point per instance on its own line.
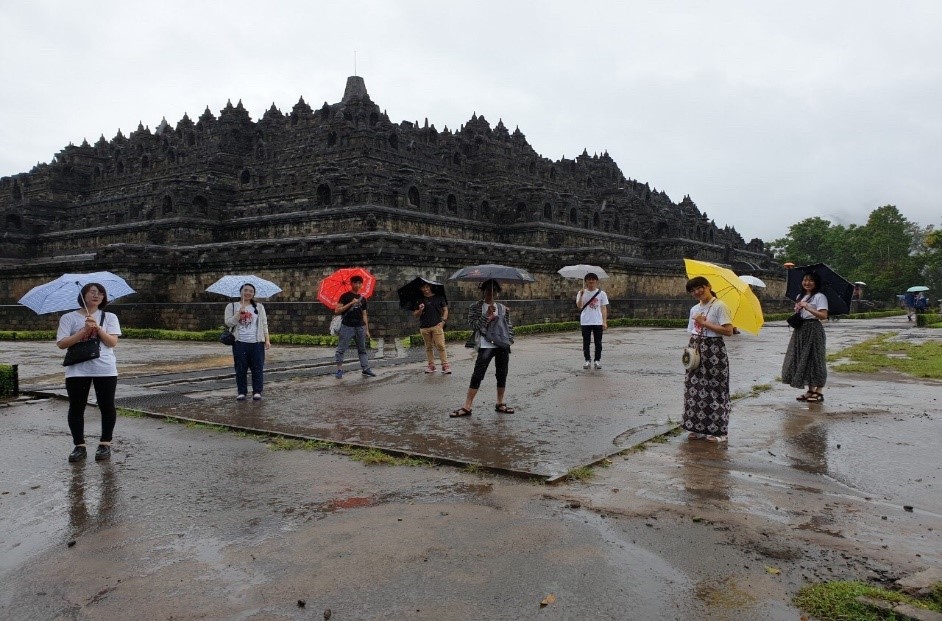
x=889 y=252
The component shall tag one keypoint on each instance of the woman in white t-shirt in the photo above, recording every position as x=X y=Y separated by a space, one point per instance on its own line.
x=593 y=317
x=91 y=322
x=806 y=356
x=249 y=324
x=706 y=388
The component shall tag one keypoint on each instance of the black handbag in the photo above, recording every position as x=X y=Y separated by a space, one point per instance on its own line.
x=227 y=337
x=83 y=351
x=795 y=320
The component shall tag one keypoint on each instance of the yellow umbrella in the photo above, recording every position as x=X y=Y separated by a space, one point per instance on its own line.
x=744 y=306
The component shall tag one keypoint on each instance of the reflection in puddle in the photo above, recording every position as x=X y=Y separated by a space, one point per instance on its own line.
x=82 y=492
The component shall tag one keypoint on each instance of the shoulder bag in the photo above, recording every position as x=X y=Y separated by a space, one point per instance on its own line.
x=226 y=337
x=84 y=351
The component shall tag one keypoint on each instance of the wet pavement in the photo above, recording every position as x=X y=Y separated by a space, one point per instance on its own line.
x=190 y=523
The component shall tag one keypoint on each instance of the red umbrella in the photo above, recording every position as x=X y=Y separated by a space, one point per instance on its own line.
x=338 y=283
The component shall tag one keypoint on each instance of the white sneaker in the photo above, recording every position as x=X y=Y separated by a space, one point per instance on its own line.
x=598 y=365
x=587 y=365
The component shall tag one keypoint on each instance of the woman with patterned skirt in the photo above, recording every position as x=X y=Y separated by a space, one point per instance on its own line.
x=706 y=388
x=805 y=361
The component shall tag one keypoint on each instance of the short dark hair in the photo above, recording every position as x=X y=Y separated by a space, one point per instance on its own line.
x=81 y=295
x=591 y=275
x=358 y=279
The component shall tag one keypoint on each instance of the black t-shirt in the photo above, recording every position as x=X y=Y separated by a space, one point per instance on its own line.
x=432 y=313
x=354 y=315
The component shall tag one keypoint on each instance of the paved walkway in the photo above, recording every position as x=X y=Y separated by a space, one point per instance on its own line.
x=566 y=417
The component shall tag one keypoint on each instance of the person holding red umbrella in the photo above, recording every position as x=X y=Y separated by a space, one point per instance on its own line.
x=354 y=324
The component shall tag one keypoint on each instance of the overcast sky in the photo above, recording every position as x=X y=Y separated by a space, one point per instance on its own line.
x=765 y=113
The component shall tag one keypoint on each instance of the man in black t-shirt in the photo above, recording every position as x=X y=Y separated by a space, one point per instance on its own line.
x=432 y=311
x=354 y=324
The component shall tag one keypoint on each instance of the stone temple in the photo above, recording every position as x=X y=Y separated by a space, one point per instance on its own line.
x=292 y=196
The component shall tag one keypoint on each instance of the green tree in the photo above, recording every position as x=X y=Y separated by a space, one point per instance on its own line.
x=809 y=241
x=884 y=253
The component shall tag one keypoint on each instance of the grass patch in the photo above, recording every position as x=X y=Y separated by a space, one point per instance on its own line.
x=281 y=443
x=582 y=473
x=836 y=601
x=376 y=457
x=756 y=390
x=879 y=353
x=130 y=413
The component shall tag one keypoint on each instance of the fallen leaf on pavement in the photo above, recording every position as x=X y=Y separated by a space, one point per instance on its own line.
x=546 y=601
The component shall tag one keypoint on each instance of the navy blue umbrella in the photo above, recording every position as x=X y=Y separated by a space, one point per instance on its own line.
x=837 y=289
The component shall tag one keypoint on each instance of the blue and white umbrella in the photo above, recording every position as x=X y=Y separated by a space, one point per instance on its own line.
x=62 y=294
x=230 y=286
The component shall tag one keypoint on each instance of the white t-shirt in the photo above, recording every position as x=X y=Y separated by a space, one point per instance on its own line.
x=818 y=301
x=105 y=365
x=592 y=314
x=483 y=343
x=715 y=311
x=247 y=327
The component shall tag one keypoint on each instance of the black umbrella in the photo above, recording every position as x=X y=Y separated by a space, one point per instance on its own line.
x=410 y=293
x=500 y=273
x=835 y=287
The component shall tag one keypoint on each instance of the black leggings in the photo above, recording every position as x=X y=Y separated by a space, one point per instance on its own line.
x=78 y=388
x=502 y=357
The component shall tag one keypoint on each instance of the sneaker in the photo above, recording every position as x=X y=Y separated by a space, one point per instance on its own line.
x=446 y=369
x=339 y=374
x=257 y=396
x=78 y=453
x=430 y=368
x=598 y=365
x=240 y=398
x=103 y=452
x=369 y=373
x=587 y=365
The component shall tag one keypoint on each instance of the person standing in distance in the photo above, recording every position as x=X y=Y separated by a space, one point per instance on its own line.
x=432 y=311
x=355 y=324
x=593 y=303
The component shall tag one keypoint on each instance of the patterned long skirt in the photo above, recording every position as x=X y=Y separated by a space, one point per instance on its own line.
x=806 y=357
x=706 y=389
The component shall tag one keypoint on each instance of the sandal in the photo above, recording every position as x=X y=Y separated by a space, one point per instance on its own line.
x=804 y=396
x=716 y=439
x=460 y=412
x=503 y=408
x=815 y=397
x=693 y=435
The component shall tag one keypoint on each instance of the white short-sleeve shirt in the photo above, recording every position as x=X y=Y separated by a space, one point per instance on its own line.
x=105 y=365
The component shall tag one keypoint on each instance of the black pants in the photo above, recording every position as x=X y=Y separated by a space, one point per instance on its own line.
x=77 y=388
x=502 y=362
x=596 y=333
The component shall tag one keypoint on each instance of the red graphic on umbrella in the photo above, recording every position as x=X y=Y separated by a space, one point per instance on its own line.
x=338 y=283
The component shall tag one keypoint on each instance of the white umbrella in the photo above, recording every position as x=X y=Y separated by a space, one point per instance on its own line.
x=230 y=286
x=579 y=271
x=918 y=288
x=752 y=280
x=62 y=293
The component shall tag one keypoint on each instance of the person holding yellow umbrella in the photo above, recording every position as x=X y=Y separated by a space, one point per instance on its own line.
x=724 y=300
x=706 y=385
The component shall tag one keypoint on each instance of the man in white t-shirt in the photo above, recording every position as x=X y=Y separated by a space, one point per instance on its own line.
x=593 y=303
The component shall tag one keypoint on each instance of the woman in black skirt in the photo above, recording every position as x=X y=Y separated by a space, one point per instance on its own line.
x=706 y=388
x=806 y=357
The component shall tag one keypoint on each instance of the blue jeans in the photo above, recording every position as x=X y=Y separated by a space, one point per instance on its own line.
x=351 y=332
x=249 y=356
